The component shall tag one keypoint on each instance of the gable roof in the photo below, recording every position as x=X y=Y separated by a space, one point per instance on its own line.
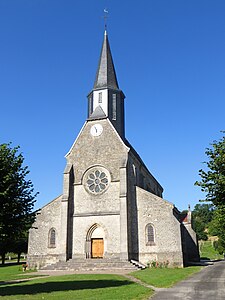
x=97 y=114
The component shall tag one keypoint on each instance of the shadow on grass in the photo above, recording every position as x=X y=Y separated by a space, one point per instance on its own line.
x=8 y=263
x=48 y=287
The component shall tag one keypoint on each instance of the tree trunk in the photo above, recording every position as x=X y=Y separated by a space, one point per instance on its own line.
x=3 y=258
x=18 y=258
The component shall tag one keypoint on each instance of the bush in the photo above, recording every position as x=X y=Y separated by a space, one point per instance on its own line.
x=218 y=247
x=156 y=264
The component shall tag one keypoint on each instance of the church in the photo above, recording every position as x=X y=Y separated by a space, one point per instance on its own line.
x=112 y=208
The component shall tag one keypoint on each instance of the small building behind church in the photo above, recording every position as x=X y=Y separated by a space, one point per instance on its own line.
x=112 y=208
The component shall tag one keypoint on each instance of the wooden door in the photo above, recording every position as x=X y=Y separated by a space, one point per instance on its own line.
x=97 y=248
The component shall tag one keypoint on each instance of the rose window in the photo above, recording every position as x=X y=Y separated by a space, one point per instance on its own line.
x=97 y=181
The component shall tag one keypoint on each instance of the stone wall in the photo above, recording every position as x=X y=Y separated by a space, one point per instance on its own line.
x=137 y=175
x=158 y=212
x=107 y=150
x=190 y=244
x=86 y=203
x=104 y=210
x=39 y=252
x=106 y=153
x=111 y=228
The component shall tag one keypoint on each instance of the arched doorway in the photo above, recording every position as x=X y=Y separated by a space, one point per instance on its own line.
x=95 y=242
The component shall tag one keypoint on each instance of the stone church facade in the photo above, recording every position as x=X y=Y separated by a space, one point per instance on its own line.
x=112 y=206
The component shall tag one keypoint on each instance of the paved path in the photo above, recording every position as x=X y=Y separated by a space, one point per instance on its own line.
x=209 y=284
x=131 y=278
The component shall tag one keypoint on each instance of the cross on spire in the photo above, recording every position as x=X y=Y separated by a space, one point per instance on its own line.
x=105 y=17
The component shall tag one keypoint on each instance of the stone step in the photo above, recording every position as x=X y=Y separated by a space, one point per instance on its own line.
x=138 y=264
x=97 y=260
x=91 y=264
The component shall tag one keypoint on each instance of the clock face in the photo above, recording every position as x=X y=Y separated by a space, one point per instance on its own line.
x=96 y=130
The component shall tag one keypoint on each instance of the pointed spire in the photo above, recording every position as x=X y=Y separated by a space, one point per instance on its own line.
x=106 y=75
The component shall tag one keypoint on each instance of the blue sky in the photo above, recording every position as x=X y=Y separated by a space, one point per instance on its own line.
x=169 y=57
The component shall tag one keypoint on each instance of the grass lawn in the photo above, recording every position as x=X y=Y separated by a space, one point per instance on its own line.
x=207 y=251
x=164 y=277
x=85 y=286
x=13 y=271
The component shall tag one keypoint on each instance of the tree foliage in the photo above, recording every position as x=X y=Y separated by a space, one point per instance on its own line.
x=213 y=184
x=213 y=226
x=213 y=180
x=199 y=228
x=20 y=247
x=17 y=198
x=203 y=212
x=201 y=216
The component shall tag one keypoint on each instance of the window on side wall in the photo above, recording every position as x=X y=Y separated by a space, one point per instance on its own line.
x=52 y=238
x=150 y=235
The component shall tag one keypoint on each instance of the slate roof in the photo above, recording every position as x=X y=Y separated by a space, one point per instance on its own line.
x=106 y=75
x=98 y=113
x=141 y=161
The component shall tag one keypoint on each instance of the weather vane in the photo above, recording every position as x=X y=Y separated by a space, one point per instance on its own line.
x=105 y=17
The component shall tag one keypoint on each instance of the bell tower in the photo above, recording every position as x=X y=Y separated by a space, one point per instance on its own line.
x=106 y=100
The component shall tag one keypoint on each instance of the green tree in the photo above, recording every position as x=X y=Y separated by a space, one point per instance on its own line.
x=20 y=247
x=17 y=198
x=213 y=184
x=213 y=180
x=218 y=246
x=204 y=212
x=199 y=228
x=213 y=226
x=202 y=215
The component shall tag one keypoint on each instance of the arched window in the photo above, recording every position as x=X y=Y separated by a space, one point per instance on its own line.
x=150 y=234
x=52 y=238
